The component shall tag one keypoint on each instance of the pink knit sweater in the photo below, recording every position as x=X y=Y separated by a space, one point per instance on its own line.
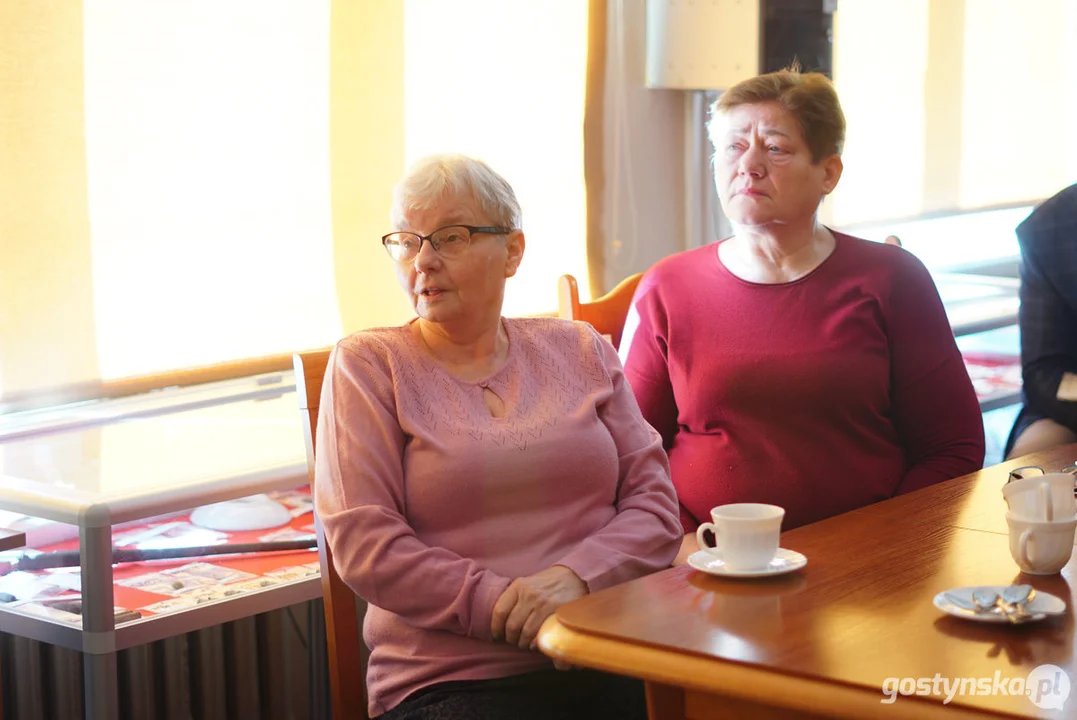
x=432 y=505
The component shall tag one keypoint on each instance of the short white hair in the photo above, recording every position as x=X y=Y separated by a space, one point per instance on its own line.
x=435 y=176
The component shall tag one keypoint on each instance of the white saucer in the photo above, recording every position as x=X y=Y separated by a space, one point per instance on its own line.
x=958 y=602
x=785 y=561
x=255 y=512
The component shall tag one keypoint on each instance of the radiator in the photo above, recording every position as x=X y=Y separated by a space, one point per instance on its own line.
x=269 y=666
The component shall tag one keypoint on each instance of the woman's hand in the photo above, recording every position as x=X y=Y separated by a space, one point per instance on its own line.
x=528 y=601
x=688 y=546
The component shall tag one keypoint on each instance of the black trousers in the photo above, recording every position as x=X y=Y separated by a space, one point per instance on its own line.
x=544 y=695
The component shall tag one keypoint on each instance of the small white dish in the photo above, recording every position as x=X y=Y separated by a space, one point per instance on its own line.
x=958 y=602
x=784 y=561
x=255 y=512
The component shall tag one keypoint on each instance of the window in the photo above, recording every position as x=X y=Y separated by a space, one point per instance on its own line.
x=953 y=106
x=519 y=69
x=204 y=182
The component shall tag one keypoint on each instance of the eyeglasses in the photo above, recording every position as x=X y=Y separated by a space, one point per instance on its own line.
x=1035 y=470
x=449 y=241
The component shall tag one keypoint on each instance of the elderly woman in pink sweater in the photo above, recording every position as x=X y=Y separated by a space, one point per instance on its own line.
x=475 y=472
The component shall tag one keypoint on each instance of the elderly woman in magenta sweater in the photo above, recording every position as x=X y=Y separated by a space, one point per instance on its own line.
x=792 y=364
x=475 y=472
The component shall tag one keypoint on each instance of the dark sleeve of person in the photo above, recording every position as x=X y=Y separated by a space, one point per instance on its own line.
x=1048 y=314
x=936 y=412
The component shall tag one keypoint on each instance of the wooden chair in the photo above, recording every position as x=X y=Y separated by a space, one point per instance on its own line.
x=347 y=669
x=606 y=314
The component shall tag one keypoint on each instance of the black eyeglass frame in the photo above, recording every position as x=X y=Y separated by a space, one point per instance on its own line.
x=1019 y=473
x=471 y=230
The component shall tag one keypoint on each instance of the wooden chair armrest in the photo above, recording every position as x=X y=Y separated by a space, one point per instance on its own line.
x=11 y=539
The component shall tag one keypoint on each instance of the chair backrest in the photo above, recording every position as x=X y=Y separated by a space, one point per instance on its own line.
x=347 y=673
x=606 y=314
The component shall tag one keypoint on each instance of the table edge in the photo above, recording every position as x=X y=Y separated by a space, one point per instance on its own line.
x=697 y=673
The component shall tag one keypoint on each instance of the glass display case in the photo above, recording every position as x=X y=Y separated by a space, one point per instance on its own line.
x=993 y=359
x=977 y=303
x=104 y=489
x=982 y=301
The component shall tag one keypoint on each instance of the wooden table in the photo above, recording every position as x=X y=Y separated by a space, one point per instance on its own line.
x=821 y=642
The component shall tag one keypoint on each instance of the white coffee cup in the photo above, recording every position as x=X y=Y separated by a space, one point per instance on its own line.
x=745 y=534
x=1043 y=497
x=1040 y=547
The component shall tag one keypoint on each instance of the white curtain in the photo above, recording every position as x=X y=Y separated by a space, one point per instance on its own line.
x=208 y=161
x=208 y=152
x=513 y=75
x=953 y=105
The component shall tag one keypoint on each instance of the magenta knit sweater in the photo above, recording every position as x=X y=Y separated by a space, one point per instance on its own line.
x=839 y=389
x=432 y=506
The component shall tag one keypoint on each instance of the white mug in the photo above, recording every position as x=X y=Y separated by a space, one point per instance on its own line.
x=745 y=534
x=1039 y=547
x=1043 y=497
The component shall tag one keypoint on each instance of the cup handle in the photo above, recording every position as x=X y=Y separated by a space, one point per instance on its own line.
x=1022 y=549
x=702 y=543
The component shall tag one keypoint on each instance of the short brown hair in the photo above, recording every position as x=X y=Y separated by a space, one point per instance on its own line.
x=809 y=97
